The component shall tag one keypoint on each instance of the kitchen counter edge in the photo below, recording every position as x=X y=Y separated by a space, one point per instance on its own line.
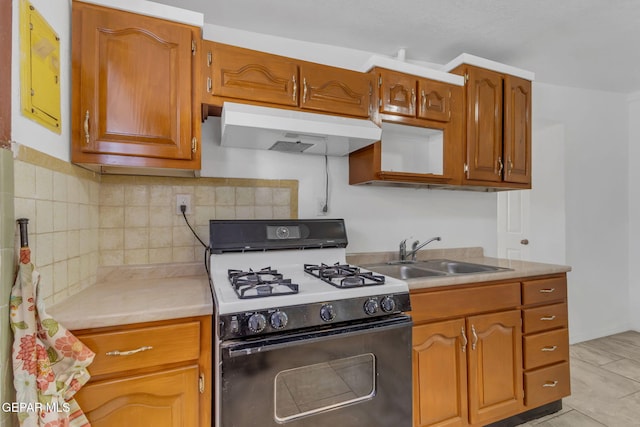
x=137 y=294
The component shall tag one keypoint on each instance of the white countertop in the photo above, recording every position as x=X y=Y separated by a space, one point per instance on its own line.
x=126 y=295
x=519 y=269
x=146 y=293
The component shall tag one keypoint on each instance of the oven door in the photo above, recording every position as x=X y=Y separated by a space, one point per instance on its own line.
x=357 y=375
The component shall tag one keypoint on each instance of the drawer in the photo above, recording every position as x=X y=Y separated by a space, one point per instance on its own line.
x=143 y=347
x=543 y=318
x=426 y=306
x=544 y=290
x=546 y=348
x=546 y=385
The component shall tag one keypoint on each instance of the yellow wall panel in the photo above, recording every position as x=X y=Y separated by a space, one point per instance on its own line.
x=39 y=68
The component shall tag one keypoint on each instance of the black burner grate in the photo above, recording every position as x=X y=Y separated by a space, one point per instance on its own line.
x=262 y=283
x=344 y=275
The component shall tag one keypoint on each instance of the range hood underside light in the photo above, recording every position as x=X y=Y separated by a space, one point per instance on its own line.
x=264 y=128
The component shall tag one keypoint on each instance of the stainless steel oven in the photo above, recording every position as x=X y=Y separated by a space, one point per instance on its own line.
x=353 y=375
x=303 y=339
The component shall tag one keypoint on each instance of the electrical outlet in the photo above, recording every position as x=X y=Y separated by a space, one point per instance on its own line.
x=321 y=207
x=183 y=199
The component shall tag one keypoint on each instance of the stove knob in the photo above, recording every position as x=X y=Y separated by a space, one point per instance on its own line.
x=257 y=323
x=371 y=306
x=388 y=304
x=279 y=320
x=327 y=313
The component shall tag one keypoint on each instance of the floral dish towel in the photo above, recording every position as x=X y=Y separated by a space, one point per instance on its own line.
x=49 y=363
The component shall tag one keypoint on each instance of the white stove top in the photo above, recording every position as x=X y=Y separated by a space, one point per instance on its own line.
x=290 y=263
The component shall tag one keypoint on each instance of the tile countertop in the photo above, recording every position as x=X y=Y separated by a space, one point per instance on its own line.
x=134 y=294
x=474 y=255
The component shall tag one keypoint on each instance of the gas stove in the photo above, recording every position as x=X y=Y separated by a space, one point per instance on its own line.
x=293 y=321
x=279 y=275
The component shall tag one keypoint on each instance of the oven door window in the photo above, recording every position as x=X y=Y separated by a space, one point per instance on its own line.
x=311 y=389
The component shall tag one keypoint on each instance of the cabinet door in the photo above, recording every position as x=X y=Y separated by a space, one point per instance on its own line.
x=517 y=130
x=439 y=374
x=251 y=75
x=397 y=93
x=132 y=84
x=484 y=125
x=495 y=366
x=163 y=399
x=335 y=90
x=434 y=100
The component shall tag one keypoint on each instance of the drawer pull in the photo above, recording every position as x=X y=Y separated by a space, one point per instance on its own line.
x=548 y=318
x=464 y=340
x=550 y=384
x=547 y=291
x=130 y=352
x=553 y=348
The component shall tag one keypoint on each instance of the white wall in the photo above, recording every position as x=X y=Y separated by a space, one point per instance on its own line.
x=596 y=173
x=634 y=209
x=25 y=131
x=377 y=218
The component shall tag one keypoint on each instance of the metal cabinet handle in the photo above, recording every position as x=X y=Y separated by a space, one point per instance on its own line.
x=304 y=90
x=548 y=318
x=552 y=348
x=547 y=291
x=464 y=340
x=413 y=100
x=129 y=352
x=550 y=384
x=423 y=97
x=86 y=127
x=475 y=337
x=501 y=166
x=209 y=84
x=524 y=242
x=510 y=166
x=295 y=89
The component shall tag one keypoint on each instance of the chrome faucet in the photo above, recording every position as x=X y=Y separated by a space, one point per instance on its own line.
x=415 y=247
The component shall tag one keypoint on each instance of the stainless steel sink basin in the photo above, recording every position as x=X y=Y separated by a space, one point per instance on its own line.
x=404 y=271
x=457 y=267
x=431 y=268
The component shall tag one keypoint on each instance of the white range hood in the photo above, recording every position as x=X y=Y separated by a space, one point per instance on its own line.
x=264 y=128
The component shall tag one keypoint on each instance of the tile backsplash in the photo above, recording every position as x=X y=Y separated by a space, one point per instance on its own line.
x=80 y=220
x=140 y=224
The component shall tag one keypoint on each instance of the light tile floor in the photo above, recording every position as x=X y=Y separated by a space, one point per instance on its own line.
x=605 y=385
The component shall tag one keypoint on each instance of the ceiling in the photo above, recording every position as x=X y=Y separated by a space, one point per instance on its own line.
x=589 y=44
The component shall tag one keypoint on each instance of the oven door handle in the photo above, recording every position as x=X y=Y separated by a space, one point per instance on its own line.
x=245 y=348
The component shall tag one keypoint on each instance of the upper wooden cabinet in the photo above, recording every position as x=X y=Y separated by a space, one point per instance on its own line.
x=410 y=96
x=234 y=73
x=132 y=93
x=498 y=128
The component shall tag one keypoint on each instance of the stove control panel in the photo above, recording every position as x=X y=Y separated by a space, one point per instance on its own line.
x=289 y=318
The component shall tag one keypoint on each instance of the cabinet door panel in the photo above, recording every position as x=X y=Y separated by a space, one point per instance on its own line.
x=484 y=125
x=397 y=93
x=439 y=374
x=495 y=365
x=434 y=100
x=135 y=85
x=163 y=399
x=335 y=90
x=251 y=75
x=517 y=130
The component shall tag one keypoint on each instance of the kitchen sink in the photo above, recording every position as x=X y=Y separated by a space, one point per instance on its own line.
x=404 y=271
x=431 y=268
x=458 y=267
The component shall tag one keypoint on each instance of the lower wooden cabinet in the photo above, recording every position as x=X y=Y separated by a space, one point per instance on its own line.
x=472 y=364
x=467 y=370
x=154 y=374
x=166 y=398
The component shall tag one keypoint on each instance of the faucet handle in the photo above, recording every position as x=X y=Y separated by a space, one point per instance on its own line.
x=415 y=244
